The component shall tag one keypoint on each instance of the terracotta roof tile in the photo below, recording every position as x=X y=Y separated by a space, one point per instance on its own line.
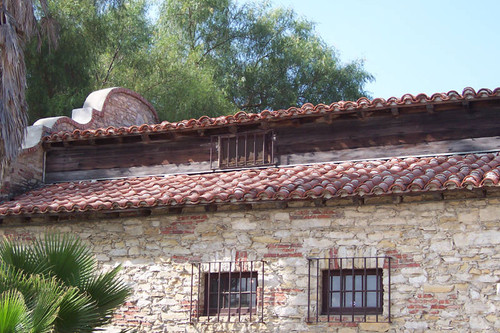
x=301 y=182
x=362 y=104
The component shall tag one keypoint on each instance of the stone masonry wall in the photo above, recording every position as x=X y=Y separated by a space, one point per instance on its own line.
x=445 y=271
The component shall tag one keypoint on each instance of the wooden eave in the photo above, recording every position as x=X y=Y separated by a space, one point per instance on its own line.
x=270 y=123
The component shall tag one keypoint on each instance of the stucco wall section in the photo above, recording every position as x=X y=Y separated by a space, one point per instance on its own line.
x=120 y=108
x=445 y=273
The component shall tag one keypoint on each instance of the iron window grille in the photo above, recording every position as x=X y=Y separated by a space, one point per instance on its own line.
x=357 y=291
x=226 y=290
x=349 y=289
x=242 y=150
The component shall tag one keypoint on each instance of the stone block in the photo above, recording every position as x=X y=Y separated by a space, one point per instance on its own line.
x=441 y=246
x=489 y=214
x=375 y=327
x=347 y=330
x=265 y=239
x=478 y=324
x=244 y=224
x=416 y=325
x=433 y=288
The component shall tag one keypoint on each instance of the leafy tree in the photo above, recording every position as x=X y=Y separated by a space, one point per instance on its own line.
x=198 y=58
x=254 y=56
x=52 y=285
x=98 y=40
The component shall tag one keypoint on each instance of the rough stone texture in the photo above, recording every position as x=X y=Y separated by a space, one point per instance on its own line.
x=444 y=271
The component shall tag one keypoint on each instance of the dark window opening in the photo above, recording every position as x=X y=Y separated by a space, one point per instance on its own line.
x=242 y=150
x=227 y=291
x=348 y=291
x=236 y=292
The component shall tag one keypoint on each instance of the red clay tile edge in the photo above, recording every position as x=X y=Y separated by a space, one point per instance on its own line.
x=304 y=182
x=242 y=117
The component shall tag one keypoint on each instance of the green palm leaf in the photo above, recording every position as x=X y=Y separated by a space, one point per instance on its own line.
x=41 y=296
x=66 y=257
x=56 y=277
x=13 y=313
x=108 y=292
x=20 y=257
x=77 y=313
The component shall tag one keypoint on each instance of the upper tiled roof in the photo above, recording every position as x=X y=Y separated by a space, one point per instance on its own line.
x=362 y=104
x=327 y=180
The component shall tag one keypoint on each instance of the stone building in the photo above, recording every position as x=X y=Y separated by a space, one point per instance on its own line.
x=376 y=215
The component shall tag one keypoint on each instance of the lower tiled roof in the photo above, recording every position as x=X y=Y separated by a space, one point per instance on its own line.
x=326 y=180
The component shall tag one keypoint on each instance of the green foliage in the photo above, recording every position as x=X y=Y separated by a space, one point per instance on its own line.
x=96 y=38
x=199 y=57
x=13 y=313
x=57 y=278
x=41 y=298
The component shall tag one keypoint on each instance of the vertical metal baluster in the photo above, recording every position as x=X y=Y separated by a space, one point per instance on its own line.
x=364 y=290
x=191 y=297
x=251 y=269
x=309 y=291
x=317 y=291
x=211 y=151
x=342 y=290
x=208 y=293
x=389 y=288
x=254 y=148
x=329 y=292
x=272 y=148
x=199 y=292
x=236 y=149
x=239 y=300
x=219 y=152
x=377 y=291
x=262 y=303
x=353 y=297
x=229 y=297
x=246 y=150
x=263 y=148
x=228 y=151
x=218 y=294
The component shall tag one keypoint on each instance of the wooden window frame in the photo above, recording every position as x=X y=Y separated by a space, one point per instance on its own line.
x=344 y=290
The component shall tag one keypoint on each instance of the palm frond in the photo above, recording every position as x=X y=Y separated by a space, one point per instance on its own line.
x=77 y=313
x=20 y=257
x=45 y=298
x=23 y=14
x=13 y=313
x=67 y=257
x=56 y=276
x=108 y=292
x=42 y=296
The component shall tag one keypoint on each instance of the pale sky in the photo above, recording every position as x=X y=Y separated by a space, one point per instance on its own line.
x=419 y=46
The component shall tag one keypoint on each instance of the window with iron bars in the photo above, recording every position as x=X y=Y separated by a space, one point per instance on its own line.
x=227 y=291
x=349 y=289
x=242 y=150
